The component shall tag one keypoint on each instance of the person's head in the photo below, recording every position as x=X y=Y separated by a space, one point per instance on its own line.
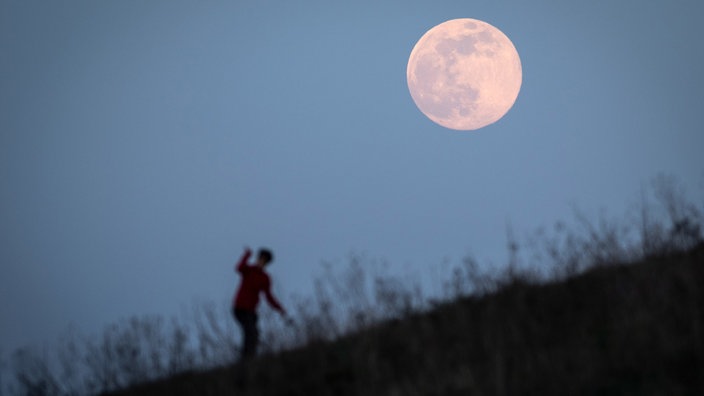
x=265 y=257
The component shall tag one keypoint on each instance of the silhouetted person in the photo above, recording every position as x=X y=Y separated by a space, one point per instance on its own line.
x=244 y=306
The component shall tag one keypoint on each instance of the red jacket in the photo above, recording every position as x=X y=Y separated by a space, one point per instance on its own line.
x=254 y=281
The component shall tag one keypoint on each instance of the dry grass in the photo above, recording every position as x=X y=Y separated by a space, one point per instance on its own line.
x=603 y=309
x=622 y=329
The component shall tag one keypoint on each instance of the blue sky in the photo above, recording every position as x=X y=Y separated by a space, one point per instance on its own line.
x=143 y=144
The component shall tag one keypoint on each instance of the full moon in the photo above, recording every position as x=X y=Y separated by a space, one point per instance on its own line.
x=464 y=74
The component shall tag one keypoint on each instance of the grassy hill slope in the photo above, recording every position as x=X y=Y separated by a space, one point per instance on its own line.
x=613 y=330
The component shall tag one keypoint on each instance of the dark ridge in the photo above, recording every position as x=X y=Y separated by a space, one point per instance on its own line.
x=620 y=329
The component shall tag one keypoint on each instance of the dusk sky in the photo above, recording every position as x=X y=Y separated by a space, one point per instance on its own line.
x=143 y=144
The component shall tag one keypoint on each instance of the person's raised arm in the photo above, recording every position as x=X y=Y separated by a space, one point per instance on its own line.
x=243 y=260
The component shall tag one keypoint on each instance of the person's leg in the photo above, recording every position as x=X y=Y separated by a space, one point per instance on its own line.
x=241 y=317
x=248 y=322
x=240 y=370
x=251 y=335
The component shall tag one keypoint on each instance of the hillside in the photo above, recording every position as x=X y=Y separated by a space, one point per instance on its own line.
x=615 y=329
